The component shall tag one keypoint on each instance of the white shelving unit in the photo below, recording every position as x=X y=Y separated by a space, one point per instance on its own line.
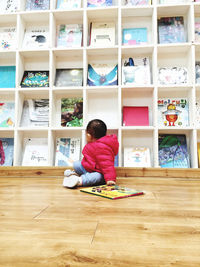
x=103 y=102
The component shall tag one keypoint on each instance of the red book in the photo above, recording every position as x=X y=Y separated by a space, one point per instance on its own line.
x=135 y=116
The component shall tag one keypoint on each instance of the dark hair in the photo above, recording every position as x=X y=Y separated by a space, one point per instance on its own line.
x=96 y=128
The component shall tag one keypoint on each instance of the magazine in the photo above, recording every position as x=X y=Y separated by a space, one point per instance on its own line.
x=35 y=79
x=6 y=151
x=112 y=192
x=69 y=35
x=7 y=114
x=36 y=37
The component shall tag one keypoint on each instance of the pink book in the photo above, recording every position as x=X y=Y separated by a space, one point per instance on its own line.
x=135 y=116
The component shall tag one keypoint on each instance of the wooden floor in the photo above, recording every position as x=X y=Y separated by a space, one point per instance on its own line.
x=44 y=224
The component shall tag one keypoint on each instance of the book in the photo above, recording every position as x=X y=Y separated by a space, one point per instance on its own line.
x=72 y=112
x=172 y=75
x=9 y=6
x=7 y=76
x=69 y=35
x=197 y=72
x=35 y=152
x=68 y=4
x=135 y=116
x=102 y=74
x=69 y=77
x=35 y=79
x=35 y=113
x=197 y=112
x=102 y=34
x=8 y=36
x=6 y=151
x=37 y=4
x=7 y=114
x=36 y=37
x=112 y=192
x=173 y=112
x=136 y=71
x=137 y=2
x=173 y=152
x=67 y=151
x=171 y=30
x=197 y=29
x=134 y=36
x=99 y=3
x=137 y=157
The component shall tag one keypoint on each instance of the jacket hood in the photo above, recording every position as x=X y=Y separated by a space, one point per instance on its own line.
x=111 y=141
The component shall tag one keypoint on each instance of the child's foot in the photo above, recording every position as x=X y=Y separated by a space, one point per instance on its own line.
x=71 y=181
x=68 y=173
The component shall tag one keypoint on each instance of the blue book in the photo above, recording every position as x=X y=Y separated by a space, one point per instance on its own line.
x=99 y=3
x=6 y=151
x=134 y=36
x=7 y=76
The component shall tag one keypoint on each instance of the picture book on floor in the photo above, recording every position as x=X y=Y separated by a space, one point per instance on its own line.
x=136 y=71
x=37 y=4
x=67 y=151
x=36 y=37
x=137 y=157
x=171 y=30
x=35 y=113
x=8 y=36
x=102 y=74
x=69 y=77
x=69 y=35
x=137 y=2
x=135 y=116
x=35 y=79
x=7 y=114
x=68 y=4
x=173 y=112
x=112 y=192
x=8 y=6
x=172 y=75
x=35 y=152
x=134 y=36
x=102 y=34
x=7 y=76
x=6 y=151
x=99 y=3
x=72 y=112
x=173 y=151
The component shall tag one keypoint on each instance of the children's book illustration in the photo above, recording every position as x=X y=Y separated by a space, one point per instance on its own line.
x=112 y=192
x=37 y=4
x=99 y=3
x=35 y=79
x=172 y=75
x=8 y=6
x=69 y=77
x=173 y=112
x=137 y=157
x=6 y=151
x=72 y=112
x=137 y=2
x=68 y=4
x=36 y=37
x=7 y=38
x=7 y=114
x=69 y=35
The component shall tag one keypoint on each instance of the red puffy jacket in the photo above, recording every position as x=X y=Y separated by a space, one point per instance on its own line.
x=99 y=156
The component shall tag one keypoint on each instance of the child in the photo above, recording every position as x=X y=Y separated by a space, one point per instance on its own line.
x=97 y=165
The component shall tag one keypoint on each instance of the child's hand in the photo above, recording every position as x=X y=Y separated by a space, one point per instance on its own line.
x=109 y=183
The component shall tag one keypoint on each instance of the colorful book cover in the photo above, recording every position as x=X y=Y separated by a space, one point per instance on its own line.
x=134 y=36
x=171 y=30
x=72 y=112
x=67 y=151
x=35 y=152
x=112 y=192
x=7 y=76
x=137 y=2
x=35 y=113
x=69 y=77
x=68 y=4
x=6 y=151
x=173 y=112
x=35 y=79
x=9 y=6
x=69 y=35
x=136 y=71
x=102 y=34
x=137 y=157
x=7 y=114
x=172 y=75
x=37 y=4
x=173 y=152
x=36 y=37
x=102 y=74
x=8 y=36
x=135 y=116
x=99 y=3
